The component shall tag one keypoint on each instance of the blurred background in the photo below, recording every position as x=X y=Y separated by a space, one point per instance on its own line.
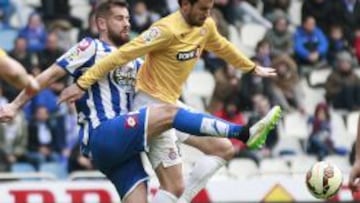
x=313 y=44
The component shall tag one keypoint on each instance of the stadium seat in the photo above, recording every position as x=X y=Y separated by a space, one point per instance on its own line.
x=352 y=121
x=8 y=37
x=198 y=89
x=295 y=125
x=319 y=77
x=295 y=11
x=80 y=11
x=22 y=168
x=55 y=168
x=288 y=144
x=79 y=2
x=33 y=3
x=243 y=168
x=301 y=164
x=312 y=96
x=274 y=166
x=234 y=38
x=341 y=161
x=357 y=71
x=340 y=135
x=86 y=175
x=251 y=34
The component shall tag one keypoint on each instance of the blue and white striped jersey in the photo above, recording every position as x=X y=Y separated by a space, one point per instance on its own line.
x=109 y=97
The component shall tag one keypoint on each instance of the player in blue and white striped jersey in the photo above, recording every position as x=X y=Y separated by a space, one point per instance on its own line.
x=105 y=101
x=109 y=97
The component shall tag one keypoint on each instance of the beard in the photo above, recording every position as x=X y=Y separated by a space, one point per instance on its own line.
x=117 y=38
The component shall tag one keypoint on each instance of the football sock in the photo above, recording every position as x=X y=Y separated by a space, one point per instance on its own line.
x=199 y=124
x=203 y=170
x=163 y=196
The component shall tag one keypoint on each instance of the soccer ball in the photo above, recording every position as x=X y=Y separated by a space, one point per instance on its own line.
x=324 y=180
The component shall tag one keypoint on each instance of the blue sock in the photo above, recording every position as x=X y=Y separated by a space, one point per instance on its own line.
x=201 y=124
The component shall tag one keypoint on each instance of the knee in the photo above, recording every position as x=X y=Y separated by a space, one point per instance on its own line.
x=224 y=149
x=176 y=188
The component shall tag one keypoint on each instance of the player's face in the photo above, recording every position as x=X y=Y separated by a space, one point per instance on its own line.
x=199 y=12
x=118 y=25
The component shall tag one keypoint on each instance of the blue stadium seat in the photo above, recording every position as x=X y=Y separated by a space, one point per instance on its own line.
x=8 y=37
x=58 y=169
x=22 y=168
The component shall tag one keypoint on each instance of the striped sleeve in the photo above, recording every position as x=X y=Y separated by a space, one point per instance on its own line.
x=78 y=56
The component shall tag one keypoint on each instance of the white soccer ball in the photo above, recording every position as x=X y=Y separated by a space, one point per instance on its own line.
x=324 y=180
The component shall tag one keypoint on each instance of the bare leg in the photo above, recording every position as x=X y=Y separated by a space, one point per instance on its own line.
x=160 y=118
x=139 y=195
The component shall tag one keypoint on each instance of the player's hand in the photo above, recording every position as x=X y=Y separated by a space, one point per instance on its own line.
x=354 y=181
x=264 y=71
x=8 y=112
x=71 y=94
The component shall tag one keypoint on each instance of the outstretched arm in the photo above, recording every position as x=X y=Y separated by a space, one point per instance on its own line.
x=72 y=62
x=155 y=38
x=226 y=50
x=45 y=79
x=14 y=73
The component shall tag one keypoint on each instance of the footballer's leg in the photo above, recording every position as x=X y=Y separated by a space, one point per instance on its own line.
x=164 y=116
x=163 y=153
x=217 y=152
x=139 y=194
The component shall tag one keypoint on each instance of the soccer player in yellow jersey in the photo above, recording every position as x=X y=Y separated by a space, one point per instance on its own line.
x=13 y=72
x=172 y=46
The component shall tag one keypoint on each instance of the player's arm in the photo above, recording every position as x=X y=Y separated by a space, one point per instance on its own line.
x=226 y=50
x=13 y=72
x=155 y=38
x=70 y=63
x=44 y=79
x=217 y=44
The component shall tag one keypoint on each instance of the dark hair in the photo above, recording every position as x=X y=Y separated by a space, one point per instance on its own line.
x=104 y=8
x=306 y=17
x=261 y=43
x=191 y=2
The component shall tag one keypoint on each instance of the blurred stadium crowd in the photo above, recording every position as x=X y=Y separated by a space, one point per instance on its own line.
x=313 y=44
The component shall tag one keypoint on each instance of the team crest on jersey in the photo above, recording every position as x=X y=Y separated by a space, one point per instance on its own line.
x=203 y=31
x=131 y=121
x=187 y=55
x=151 y=34
x=172 y=154
x=84 y=44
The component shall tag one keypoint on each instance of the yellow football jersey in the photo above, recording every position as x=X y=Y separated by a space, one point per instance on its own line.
x=2 y=53
x=172 y=48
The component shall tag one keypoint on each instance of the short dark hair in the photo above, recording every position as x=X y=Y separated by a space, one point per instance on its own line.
x=306 y=17
x=103 y=9
x=191 y=2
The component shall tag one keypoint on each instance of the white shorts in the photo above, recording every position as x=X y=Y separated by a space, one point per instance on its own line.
x=163 y=148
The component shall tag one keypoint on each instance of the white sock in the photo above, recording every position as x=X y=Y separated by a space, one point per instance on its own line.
x=163 y=196
x=202 y=171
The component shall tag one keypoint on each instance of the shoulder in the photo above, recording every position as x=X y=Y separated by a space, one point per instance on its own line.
x=210 y=23
x=159 y=30
x=86 y=43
